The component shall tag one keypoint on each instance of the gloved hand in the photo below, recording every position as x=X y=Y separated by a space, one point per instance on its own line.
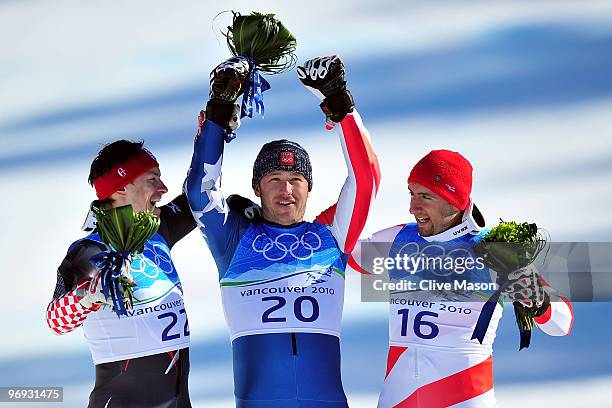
x=244 y=207
x=226 y=85
x=90 y=291
x=526 y=289
x=324 y=76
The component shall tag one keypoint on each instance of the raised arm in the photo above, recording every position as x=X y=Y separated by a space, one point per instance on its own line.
x=360 y=186
x=218 y=225
x=325 y=78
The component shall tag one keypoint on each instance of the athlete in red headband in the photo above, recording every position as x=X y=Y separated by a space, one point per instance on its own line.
x=141 y=360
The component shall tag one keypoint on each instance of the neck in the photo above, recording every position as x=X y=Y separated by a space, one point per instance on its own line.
x=269 y=218
x=276 y=224
x=460 y=227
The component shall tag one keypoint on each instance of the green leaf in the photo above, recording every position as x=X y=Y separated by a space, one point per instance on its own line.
x=510 y=246
x=123 y=230
x=263 y=38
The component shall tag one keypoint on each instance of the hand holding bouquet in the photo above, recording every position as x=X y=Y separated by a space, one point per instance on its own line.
x=125 y=234
x=509 y=249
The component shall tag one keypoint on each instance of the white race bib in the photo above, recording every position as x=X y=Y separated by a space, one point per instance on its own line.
x=158 y=321
x=148 y=329
x=305 y=301
x=421 y=318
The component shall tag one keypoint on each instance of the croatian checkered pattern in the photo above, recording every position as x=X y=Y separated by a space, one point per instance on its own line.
x=65 y=313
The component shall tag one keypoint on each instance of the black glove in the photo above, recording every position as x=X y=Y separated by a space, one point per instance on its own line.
x=245 y=207
x=324 y=76
x=226 y=85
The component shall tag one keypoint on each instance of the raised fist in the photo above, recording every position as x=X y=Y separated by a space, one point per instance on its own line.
x=324 y=77
x=227 y=79
x=226 y=85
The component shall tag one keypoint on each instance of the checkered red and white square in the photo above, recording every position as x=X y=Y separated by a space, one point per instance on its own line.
x=65 y=313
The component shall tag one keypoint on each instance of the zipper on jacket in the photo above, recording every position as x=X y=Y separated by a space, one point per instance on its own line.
x=293 y=344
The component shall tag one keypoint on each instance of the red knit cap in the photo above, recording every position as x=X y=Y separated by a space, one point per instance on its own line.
x=446 y=173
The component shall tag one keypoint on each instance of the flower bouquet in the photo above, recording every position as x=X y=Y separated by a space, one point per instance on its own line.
x=507 y=248
x=125 y=233
x=267 y=45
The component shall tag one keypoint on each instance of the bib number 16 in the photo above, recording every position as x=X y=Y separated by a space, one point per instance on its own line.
x=422 y=328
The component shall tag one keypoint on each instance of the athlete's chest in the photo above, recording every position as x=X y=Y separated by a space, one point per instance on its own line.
x=267 y=251
x=153 y=263
x=284 y=280
x=442 y=292
x=152 y=270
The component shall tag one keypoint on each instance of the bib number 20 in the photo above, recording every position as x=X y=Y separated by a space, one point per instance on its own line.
x=422 y=328
x=298 y=309
x=166 y=335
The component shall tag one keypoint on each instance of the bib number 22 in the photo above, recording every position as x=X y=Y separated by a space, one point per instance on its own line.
x=166 y=335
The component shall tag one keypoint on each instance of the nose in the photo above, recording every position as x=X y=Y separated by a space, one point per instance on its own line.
x=162 y=187
x=286 y=188
x=415 y=205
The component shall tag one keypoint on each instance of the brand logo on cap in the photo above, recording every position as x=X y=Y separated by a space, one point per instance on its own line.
x=451 y=188
x=437 y=178
x=121 y=172
x=287 y=158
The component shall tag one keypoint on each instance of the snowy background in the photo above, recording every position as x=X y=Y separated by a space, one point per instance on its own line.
x=521 y=88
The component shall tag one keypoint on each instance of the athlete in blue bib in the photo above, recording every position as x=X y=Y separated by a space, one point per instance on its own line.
x=282 y=278
x=142 y=359
x=433 y=358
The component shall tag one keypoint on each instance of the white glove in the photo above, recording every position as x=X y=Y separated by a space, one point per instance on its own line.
x=91 y=291
x=526 y=288
x=324 y=77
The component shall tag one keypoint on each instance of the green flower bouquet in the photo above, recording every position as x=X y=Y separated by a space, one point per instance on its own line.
x=267 y=45
x=125 y=233
x=508 y=247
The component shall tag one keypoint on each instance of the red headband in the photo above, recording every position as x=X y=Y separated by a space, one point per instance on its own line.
x=123 y=174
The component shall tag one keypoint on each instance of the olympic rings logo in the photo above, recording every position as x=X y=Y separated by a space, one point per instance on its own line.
x=433 y=258
x=153 y=259
x=301 y=248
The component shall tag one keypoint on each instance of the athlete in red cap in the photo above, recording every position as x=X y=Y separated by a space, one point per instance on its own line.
x=142 y=359
x=432 y=359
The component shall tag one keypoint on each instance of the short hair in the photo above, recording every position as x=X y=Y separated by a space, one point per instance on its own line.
x=109 y=156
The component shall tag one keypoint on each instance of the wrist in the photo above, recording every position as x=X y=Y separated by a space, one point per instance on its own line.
x=87 y=304
x=219 y=111
x=544 y=307
x=337 y=105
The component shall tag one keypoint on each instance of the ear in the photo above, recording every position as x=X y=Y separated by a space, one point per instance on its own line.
x=119 y=197
x=119 y=194
x=256 y=190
